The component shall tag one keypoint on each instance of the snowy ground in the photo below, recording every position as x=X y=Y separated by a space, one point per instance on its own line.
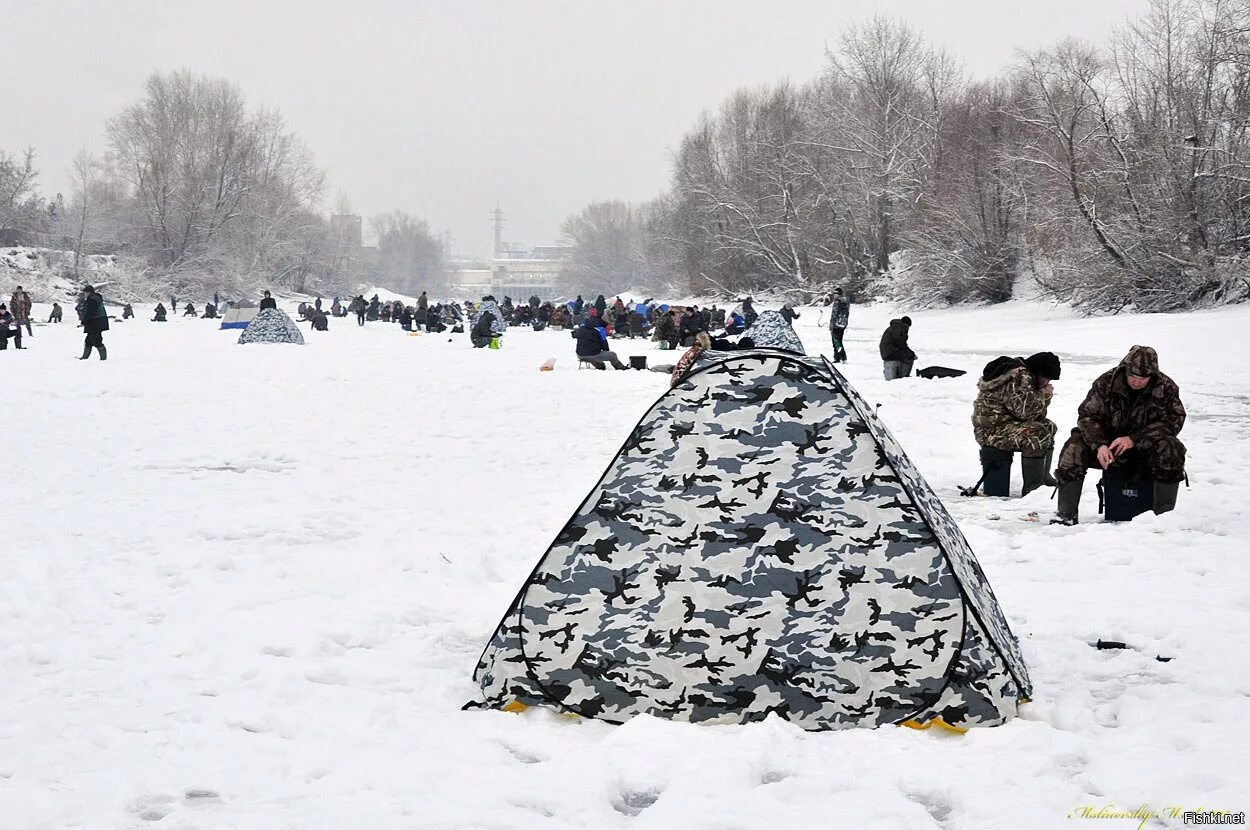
x=246 y=588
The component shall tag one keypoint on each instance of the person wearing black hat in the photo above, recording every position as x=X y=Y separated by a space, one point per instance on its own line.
x=95 y=321
x=9 y=328
x=1009 y=416
x=896 y=356
x=267 y=302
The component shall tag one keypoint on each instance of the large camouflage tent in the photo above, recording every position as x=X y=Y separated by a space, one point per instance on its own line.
x=761 y=544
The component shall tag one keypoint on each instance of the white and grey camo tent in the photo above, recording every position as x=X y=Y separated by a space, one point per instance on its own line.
x=761 y=544
x=272 y=326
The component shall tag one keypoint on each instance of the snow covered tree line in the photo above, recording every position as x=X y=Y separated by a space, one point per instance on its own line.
x=1118 y=174
x=203 y=194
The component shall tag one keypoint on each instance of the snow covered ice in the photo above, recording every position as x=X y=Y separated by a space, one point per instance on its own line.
x=246 y=587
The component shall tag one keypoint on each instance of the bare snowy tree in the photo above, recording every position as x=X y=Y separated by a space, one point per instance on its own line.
x=410 y=258
x=21 y=207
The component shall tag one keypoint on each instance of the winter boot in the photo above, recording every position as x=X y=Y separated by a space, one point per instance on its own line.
x=1048 y=478
x=1165 y=496
x=1033 y=469
x=996 y=472
x=104 y=353
x=86 y=352
x=1069 y=503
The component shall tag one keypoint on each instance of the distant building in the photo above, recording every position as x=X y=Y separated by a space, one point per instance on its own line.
x=516 y=274
x=347 y=230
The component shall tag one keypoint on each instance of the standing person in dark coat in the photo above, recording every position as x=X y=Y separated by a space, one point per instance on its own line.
x=601 y=306
x=268 y=302
x=19 y=307
x=1131 y=416
x=789 y=314
x=578 y=304
x=317 y=303
x=839 y=319
x=896 y=356
x=360 y=308
x=95 y=321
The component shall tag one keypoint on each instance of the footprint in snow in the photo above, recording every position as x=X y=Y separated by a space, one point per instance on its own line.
x=633 y=803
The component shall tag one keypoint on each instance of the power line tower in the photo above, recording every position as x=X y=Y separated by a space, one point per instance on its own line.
x=497 y=219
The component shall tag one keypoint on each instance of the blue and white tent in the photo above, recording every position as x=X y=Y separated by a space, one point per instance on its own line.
x=239 y=314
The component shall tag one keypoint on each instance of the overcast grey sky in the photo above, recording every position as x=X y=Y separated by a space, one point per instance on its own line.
x=440 y=107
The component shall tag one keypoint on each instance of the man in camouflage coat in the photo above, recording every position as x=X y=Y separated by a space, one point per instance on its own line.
x=1132 y=413
x=1013 y=395
x=19 y=305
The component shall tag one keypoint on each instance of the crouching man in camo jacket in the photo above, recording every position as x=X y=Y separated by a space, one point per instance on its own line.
x=1013 y=396
x=1132 y=414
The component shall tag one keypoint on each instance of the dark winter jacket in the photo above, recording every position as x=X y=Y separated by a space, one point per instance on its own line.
x=789 y=314
x=841 y=316
x=601 y=305
x=482 y=328
x=95 y=317
x=692 y=324
x=267 y=303
x=894 y=342
x=589 y=340
x=19 y=307
x=1112 y=409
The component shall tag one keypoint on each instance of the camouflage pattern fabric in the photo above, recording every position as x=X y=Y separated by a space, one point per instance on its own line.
x=771 y=331
x=271 y=326
x=1153 y=418
x=1010 y=414
x=760 y=545
x=498 y=325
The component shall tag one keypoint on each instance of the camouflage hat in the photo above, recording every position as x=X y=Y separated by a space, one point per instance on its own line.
x=1142 y=361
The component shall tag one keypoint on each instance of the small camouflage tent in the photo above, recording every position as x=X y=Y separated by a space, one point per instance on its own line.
x=272 y=326
x=760 y=544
